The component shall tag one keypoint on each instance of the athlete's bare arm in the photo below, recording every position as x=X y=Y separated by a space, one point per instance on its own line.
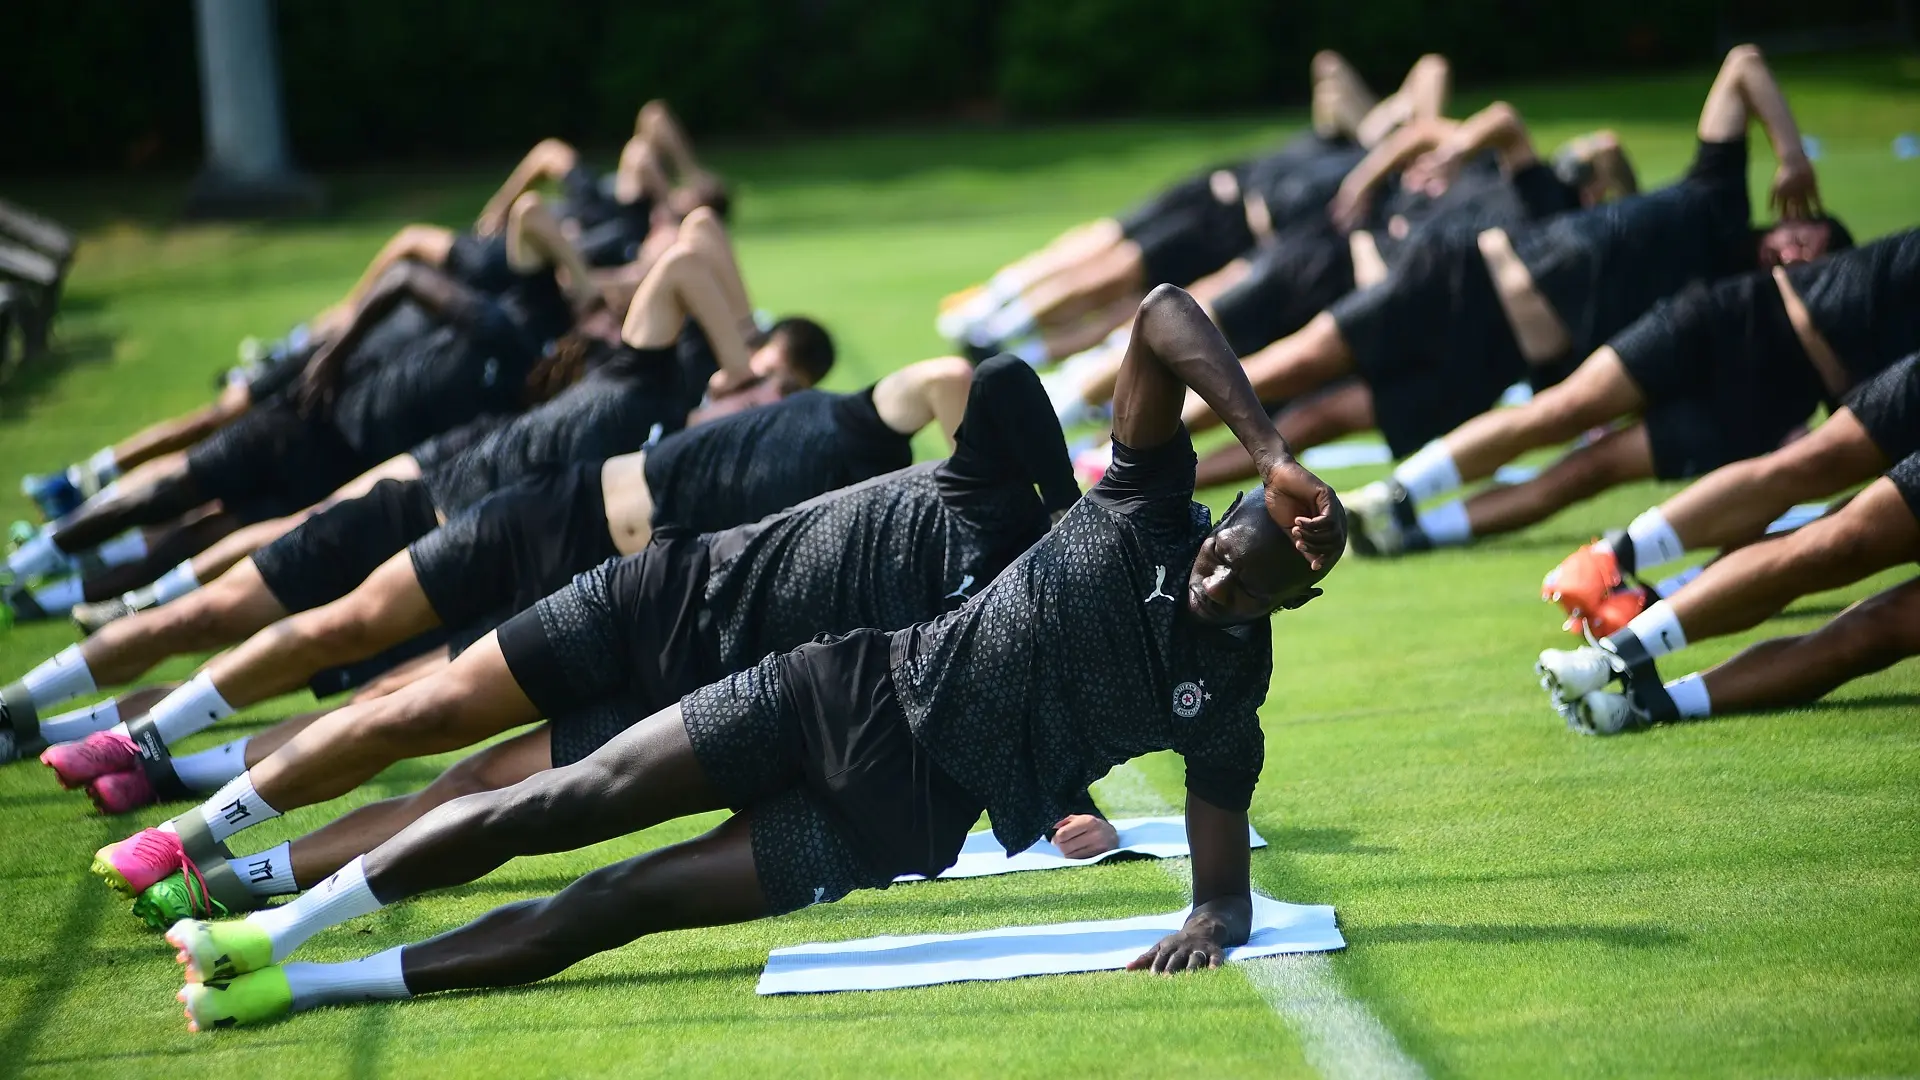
x=1744 y=90
x=1222 y=894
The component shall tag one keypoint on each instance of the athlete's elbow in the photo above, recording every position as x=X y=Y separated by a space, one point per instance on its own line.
x=1168 y=301
x=1744 y=57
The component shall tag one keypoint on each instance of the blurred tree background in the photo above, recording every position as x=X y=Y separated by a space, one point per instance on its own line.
x=110 y=85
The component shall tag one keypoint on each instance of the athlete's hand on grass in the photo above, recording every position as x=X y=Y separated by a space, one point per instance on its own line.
x=1184 y=951
x=1082 y=836
x=1796 y=191
x=1304 y=505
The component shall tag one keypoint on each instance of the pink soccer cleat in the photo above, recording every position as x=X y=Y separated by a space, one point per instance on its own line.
x=121 y=792
x=1091 y=464
x=101 y=753
x=135 y=864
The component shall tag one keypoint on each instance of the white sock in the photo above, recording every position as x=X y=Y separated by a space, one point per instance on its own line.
x=170 y=586
x=104 y=466
x=1032 y=349
x=1658 y=628
x=1428 y=471
x=234 y=807
x=60 y=596
x=1654 y=541
x=208 y=770
x=62 y=678
x=1013 y=320
x=1670 y=585
x=129 y=546
x=269 y=873
x=37 y=557
x=193 y=707
x=344 y=895
x=1447 y=525
x=376 y=978
x=80 y=723
x=1689 y=694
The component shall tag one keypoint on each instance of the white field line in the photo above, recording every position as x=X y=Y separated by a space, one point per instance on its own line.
x=1339 y=1036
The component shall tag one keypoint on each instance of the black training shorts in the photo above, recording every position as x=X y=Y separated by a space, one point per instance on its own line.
x=515 y=546
x=331 y=553
x=1432 y=340
x=615 y=645
x=824 y=719
x=271 y=462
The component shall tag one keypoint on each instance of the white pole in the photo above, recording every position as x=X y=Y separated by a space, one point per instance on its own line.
x=247 y=170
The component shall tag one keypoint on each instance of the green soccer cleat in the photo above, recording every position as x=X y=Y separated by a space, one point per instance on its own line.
x=214 y=951
x=253 y=998
x=176 y=897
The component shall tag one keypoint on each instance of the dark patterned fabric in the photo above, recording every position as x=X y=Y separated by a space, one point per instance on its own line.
x=434 y=383
x=1888 y=406
x=743 y=467
x=1080 y=656
x=1865 y=302
x=1602 y=268
x=616 y=409
x=801 y=856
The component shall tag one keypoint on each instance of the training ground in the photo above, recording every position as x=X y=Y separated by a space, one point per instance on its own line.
x=1732 y=898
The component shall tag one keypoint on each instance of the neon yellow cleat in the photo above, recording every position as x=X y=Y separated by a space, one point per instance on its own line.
x=213 y=951
x=253 y=998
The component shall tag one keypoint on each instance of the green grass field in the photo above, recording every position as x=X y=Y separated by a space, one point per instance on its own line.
x=1733 y=898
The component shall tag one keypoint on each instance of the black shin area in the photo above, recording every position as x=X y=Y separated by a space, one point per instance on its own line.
x=161 y=501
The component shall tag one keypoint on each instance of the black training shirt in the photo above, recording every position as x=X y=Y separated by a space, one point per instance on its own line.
x=742 y=467
x=436 y=382
x=1080 y=656
x=1602 y=268
x=615 y=409
x=1865 y=302
x=886 y=553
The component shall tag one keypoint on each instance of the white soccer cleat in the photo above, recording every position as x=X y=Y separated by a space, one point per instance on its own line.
x=1572 y=674
x=1381 y=520
x=1603 y=713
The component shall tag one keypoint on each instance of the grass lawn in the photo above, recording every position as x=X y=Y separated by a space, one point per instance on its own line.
x=1719 y=899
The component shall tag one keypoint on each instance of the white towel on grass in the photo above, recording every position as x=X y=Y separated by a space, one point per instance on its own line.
x=888 y=963
x=1158 y=837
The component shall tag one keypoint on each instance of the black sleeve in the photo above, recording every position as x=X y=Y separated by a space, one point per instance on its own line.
x=1153 y=486
x=1010 y=434
x=1542 y=194
x=1720 y=164
x=1081 y=804
x=1223 y=765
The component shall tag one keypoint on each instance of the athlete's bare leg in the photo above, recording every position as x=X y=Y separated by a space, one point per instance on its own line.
x=1616 y=458
x=1313 y=421
x=1869 y=636
x=1734 y=504
x=225 y=611
x=1874 y=531
x=1293 y=367
x=1598 y=392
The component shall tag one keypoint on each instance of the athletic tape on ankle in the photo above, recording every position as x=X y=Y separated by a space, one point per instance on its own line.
x=23 y=718
x=199 y=844
x=224 y=885
x=156 y=761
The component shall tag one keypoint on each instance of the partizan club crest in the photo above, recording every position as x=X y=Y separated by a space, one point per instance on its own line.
x=1188 y=697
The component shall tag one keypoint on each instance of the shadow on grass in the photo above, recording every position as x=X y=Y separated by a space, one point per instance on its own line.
x=41 y=374
x=59 y=965
x=1864 y=701
x=1632 y=937
x=1294 y=841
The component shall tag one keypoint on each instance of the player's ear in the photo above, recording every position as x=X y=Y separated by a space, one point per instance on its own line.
x=1297 y=601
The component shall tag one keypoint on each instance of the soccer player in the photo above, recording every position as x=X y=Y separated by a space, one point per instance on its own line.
x=1449 y=183
x=1601 y=585
x=518 y=545
x=1876 y=529
x=1869 y=636
x=332 y=552
x=1132 y=627
x=1716 y=374
x=1090 y=279
x=631 y=637
x=1461 y=318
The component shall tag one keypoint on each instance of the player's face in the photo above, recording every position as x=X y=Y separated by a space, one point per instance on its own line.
x=1243 y=571
x=769 y=362
x=1794 y=242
